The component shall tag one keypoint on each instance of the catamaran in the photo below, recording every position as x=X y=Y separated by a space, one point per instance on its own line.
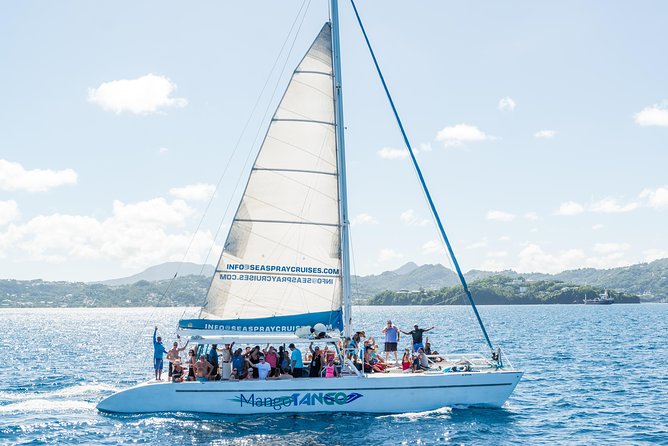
x=285 y=269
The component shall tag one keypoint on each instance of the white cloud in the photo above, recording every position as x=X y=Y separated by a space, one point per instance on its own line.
x=497 y=254
x=532 y=216
x=499 y=216
x=363 y=219
x=144 y=95
x=409 y=218
x=533 y=259
x=492 y=265
x=507 y=104
x=433 y=246
x=504 y=238
x=657 y=198
x=13 y=176
x=392 y=154
x=388 y=254
x=597 y=226
x=156 y=211
x=9 y=211
x=654 y=254
x=656 y=115
x=610 y=205
x=605 y=248
x=612 y=260
x=425 y=147
x=163 y=150
x=545 y=134
x=194 y=192
x=138 y=234
x=459 y=134
x=479 y=244
x=570 y=208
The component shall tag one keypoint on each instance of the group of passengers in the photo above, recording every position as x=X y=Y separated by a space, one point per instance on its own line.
x=250 y=363
x=270 y=363
x=415 y=359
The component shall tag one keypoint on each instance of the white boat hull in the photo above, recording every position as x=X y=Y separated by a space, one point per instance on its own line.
x=379 y=393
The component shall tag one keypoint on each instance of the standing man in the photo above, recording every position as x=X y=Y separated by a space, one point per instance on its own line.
x=296 y=362
x=227 y=361
x=391 y=340
x=158 y=351
x=213 y=360
x=416 y=333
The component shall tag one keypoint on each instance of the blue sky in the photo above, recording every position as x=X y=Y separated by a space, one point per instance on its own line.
x=542 y=130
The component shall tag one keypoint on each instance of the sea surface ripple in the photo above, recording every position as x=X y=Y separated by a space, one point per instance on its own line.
x=593 y=375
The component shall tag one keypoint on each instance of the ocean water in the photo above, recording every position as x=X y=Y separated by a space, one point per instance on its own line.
x=593 y=375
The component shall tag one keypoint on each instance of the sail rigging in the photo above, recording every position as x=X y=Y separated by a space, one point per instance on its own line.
x=281 y=264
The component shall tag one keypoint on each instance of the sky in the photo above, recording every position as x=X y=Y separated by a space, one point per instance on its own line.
x=541 y=128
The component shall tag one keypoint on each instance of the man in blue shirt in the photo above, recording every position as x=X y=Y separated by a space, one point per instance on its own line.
x=158 y=351
x=213 y=360
x=391 y=340
x=296 y=362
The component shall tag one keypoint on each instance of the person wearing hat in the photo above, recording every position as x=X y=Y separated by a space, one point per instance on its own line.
x=177 y=371
x=391 y=340
x=263 y=368
x=416 y=333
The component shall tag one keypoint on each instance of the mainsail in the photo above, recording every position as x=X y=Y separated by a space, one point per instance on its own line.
x=281 y=264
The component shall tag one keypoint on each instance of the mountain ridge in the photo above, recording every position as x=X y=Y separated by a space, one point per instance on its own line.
x=649 y=280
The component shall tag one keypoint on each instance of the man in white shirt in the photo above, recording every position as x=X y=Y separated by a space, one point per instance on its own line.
x=263 y=368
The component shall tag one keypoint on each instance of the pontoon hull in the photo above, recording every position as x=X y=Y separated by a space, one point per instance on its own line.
x=381 y=393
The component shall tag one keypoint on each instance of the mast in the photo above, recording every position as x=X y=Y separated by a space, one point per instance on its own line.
x=341 y=159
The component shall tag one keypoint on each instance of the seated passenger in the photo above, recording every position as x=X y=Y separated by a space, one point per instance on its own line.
x=423 y=360
x=177 y=371
x=406 y=361
x=430 y=352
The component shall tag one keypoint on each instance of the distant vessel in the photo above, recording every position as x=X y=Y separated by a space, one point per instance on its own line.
x=602 y=299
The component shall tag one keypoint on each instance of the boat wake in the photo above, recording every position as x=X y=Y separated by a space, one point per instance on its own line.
x=417 y=416
x=43 y=405
x=72 y=391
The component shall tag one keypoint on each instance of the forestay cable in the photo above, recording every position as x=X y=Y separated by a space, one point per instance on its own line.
x=421 y=178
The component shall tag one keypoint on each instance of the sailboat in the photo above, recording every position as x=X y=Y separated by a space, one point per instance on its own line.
x=285 y=272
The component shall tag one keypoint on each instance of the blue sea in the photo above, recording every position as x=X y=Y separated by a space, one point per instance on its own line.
x=593 y=375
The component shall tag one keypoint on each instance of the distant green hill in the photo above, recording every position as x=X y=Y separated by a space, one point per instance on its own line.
x=183 y=291
x=501 y=290
x=152 y=286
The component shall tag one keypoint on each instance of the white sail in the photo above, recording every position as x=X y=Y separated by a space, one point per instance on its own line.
x=282 y=254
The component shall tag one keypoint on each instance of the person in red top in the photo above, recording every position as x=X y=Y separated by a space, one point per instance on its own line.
x=271 y=358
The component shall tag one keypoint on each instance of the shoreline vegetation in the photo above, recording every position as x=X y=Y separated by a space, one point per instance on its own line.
x=191 y=291
x=502 y=290
x=410 y=284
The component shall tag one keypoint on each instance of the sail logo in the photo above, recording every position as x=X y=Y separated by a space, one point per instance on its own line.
x=298 y=399
x=276 y=279
x=290 y=269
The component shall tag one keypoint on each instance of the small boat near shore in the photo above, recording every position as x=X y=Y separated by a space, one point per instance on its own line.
x=285 y=270
x=602 y=299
